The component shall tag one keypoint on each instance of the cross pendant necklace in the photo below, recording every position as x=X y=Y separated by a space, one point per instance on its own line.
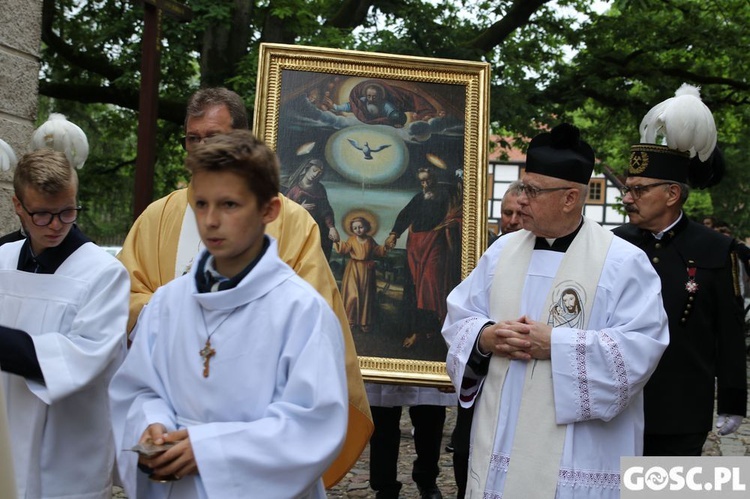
x=207 y=352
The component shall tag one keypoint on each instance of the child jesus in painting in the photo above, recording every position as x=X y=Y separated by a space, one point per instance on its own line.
x=358 y=286
x=237 y=368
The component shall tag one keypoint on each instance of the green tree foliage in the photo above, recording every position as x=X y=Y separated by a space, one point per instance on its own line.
x=638 y=54
x=552 y=61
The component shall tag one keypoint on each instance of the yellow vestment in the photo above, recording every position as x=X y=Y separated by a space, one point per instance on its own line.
x=150 y=251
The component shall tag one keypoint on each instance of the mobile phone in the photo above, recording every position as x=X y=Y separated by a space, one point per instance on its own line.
x=150 y=449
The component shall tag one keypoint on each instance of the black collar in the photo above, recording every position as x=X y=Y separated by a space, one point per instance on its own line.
x=671 y=233
x=49 y=260
x=561 y=244
x=12 y=237
x=204 y=281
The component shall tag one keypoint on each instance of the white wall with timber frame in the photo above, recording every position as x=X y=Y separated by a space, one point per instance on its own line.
x=603 y=203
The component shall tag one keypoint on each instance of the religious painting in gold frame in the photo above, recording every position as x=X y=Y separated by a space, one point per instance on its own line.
x=388 y=153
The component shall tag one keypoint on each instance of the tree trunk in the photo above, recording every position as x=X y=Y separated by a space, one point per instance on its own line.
x=224 y=45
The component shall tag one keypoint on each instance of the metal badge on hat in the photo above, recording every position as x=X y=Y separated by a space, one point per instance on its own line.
x=638 y=162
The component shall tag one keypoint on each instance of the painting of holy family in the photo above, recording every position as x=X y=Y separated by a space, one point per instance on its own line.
x=387 y=153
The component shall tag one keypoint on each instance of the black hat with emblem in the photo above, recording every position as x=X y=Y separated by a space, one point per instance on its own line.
x=678 y=138
x=660 y=162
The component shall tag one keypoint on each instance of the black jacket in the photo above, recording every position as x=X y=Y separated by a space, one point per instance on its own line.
x=706 y=329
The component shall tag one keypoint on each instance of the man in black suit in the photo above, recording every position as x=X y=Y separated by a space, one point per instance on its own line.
x=705 y=358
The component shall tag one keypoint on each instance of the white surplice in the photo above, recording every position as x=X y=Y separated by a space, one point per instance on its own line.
x=272 y=414
x=597 y=374
x=60 y=429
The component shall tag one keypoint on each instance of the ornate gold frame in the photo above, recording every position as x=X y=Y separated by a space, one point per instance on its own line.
x=473 y=76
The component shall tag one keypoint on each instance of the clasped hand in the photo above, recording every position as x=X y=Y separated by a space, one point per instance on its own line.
x=177 y=461
x=523 y=339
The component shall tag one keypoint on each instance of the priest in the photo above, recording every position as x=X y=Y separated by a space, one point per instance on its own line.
x=557 y=406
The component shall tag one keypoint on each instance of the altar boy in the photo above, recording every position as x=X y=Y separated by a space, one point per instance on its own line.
x=63 y=317
x=239 y=364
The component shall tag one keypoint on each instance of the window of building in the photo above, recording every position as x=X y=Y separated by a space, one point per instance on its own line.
x=597 y=188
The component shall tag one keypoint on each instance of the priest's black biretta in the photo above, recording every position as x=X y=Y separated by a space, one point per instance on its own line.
x=562 y=154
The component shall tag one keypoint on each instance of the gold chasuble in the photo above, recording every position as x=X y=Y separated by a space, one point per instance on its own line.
x=150 y=254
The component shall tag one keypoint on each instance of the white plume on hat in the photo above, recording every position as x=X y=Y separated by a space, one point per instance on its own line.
x=8 y=158
x=62 y=135
x=684 y=121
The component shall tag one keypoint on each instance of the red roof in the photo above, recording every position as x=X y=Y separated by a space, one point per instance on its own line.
x=498 y=152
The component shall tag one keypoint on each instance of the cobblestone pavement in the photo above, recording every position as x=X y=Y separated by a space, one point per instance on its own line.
x=356 y=483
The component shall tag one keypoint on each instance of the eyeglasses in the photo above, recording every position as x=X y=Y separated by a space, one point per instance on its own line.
x=192 y=140
x=532 y=192
x=636 y=191
x=44 y=218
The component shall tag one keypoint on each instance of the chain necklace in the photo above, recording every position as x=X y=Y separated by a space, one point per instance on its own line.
x=208 y=351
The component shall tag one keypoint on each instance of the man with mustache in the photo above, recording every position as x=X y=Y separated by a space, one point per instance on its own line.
x=706 y=352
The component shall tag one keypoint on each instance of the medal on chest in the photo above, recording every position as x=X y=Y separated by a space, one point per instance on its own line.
x=691 y=286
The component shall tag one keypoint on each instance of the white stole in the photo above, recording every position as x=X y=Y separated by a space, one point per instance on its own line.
x=538 y=442
x=189 y=244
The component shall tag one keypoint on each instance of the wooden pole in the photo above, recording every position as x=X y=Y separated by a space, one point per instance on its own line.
x=149 y=95
x=147 y=110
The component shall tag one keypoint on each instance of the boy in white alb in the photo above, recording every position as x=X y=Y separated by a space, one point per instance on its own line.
x=238 y=363
x=63 y=317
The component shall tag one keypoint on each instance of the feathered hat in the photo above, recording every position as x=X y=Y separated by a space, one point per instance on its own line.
x=62 y=135
x=674 y=132
x=8 y=158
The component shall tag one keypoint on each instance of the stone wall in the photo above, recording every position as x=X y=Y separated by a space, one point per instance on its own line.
x=20 y=33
